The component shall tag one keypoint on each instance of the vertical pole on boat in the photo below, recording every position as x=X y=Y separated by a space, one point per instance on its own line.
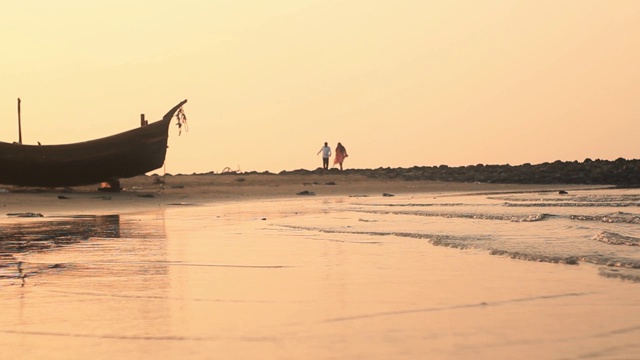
x=19 y=124
x=143 y=122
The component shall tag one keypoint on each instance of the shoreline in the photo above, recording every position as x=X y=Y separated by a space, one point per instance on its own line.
x=145 y=192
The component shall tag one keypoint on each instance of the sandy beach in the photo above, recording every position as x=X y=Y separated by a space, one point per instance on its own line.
x=145 y=192
x=242 y=267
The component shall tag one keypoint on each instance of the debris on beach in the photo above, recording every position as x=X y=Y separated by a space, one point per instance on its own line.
x=62 y=197
x=26 y=214
x=110 y=186
x=562 y=192
x=227 y=170
x=146 y=196
x=306 y=192
x=330 y=183
x=387 y=194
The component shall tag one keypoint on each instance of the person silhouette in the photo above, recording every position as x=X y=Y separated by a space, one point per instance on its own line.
x=341 y=154
x=326 y=154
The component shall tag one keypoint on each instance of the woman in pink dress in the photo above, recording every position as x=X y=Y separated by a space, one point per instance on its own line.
x=341 y=153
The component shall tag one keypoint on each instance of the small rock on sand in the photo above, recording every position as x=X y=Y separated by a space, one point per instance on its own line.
x=27 y=214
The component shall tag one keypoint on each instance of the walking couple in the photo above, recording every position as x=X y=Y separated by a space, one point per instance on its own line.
x=341 y=154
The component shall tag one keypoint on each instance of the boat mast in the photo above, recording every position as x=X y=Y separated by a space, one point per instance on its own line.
x=19 y=124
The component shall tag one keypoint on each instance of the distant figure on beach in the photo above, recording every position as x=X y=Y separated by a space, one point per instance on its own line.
x=341 y=153
x=326 y=154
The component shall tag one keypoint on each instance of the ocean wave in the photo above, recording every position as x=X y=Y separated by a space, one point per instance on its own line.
x=596 y=259
x=459 y=242
x=616 y=217
x=617 y=239
x=573 y=204
x=487 y=243
x=528 y=199
x=556 y=259
x=504 y=217
x=571 y=198
x=622 y=274
x=419 y=204
x=514 y=218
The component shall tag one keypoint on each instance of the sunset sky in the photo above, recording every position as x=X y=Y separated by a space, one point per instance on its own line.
x=399 y=83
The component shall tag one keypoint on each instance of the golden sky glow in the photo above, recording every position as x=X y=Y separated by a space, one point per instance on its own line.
x=399 y=83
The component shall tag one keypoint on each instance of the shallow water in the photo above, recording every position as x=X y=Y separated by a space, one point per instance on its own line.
x=329 y=278
x=600 y=227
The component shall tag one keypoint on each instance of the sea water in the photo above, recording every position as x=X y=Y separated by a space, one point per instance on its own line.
x=598 y=227
x=527 y=275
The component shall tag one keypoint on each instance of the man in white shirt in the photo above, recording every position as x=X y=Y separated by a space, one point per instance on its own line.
x=326 y=154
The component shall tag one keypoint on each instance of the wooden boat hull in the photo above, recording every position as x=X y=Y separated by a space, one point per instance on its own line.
x=123 y=155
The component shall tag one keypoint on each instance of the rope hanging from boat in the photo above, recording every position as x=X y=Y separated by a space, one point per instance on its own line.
x=182 y=121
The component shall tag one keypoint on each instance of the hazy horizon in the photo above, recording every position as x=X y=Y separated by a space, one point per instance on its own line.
x=400 y=84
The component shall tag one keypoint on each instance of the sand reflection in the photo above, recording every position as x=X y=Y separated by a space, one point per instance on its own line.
x=265 y=280
x=36 y=235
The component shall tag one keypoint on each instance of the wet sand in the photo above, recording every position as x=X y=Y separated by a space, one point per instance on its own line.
x=206 y=268
x=143 y=192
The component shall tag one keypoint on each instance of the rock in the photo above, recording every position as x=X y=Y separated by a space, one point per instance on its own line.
x=306 y=192
x=387 y=194
x=27 y=214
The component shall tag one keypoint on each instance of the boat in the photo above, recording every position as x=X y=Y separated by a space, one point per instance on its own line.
x=105 y=160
